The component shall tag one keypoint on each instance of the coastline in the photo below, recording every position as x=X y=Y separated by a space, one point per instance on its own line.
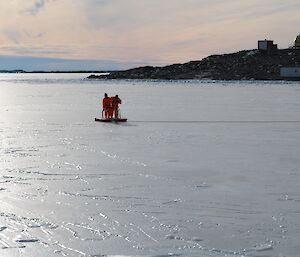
x=242 y=65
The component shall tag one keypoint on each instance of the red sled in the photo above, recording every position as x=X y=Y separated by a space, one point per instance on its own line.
x=115 y=120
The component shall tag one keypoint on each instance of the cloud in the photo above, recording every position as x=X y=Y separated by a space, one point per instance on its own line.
x=13 y=35
x=29 y=63
x=35 y=50
x=18 y=36
x=37 y=6
x=160 y=31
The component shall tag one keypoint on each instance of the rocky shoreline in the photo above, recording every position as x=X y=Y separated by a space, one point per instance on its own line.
x=243 y=65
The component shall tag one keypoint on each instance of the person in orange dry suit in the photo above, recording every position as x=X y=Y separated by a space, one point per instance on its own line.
x=107 y=107
x=115 y=105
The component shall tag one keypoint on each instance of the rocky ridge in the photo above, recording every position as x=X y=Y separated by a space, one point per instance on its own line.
x=243 y=65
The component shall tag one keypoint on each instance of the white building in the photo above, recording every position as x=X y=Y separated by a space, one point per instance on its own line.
x=266 y=45
x=290 y=73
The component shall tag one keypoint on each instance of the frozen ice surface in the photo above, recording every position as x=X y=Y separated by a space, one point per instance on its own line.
x=200 y=168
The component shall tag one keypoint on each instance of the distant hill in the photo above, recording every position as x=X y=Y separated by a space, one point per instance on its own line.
x=22 y=71
x=12 y=71
x=243 y=65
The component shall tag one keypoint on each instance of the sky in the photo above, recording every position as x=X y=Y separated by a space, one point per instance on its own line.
x=118 y=34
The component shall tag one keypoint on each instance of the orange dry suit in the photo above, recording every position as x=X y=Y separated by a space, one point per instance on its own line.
x=115 y=105
x=107 y=106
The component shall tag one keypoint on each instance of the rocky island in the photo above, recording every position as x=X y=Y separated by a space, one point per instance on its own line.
x=242 y=65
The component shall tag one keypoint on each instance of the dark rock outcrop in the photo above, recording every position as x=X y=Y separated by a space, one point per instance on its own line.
x=243 y=65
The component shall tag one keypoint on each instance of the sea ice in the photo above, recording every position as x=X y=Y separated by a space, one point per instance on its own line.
x=200 y=168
